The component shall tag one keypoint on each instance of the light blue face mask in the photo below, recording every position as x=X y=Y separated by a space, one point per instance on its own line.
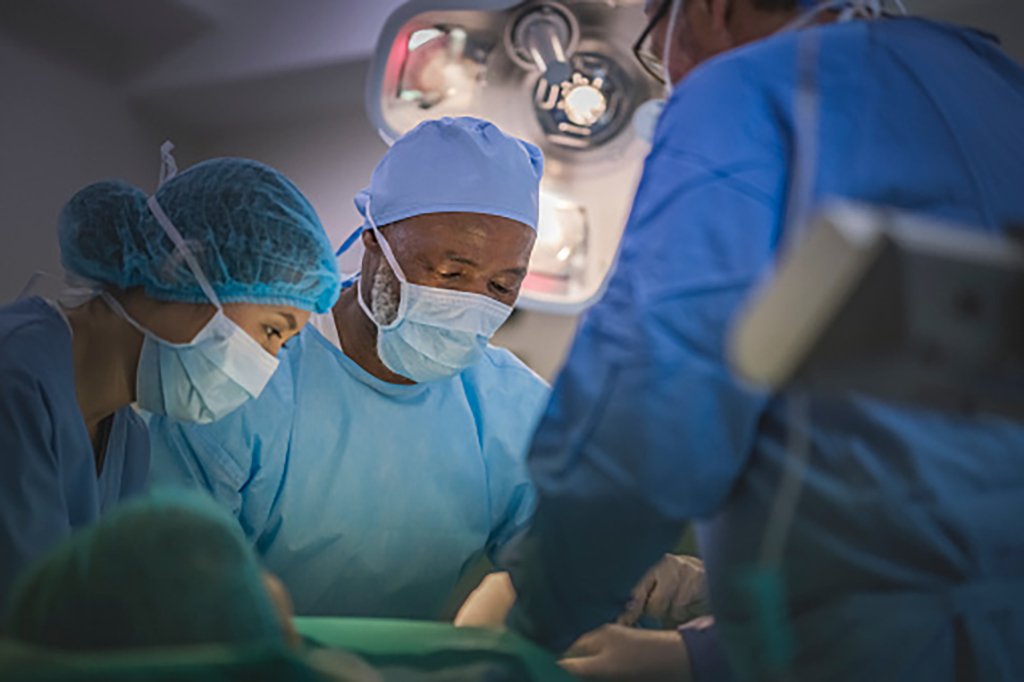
x=208 y=377
x=202 y=380
x=436 y=333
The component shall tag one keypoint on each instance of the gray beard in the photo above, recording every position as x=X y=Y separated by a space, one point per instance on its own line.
x=384 y=295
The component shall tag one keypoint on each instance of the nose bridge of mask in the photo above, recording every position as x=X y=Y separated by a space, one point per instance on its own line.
x=250 y=369
x=456 y=310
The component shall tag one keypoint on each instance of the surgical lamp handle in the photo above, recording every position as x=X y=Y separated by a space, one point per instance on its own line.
x=544 y=35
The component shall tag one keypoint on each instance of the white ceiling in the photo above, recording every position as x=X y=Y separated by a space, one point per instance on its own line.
x=214 y=63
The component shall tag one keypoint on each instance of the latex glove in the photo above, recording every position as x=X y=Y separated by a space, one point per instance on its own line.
x=616 y=652
x=673 y=592
x=488 y=605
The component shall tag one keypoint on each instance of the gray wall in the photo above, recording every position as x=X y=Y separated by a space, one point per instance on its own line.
x=59 y=130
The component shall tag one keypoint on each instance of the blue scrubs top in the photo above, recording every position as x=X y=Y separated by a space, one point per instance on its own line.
x=48 y=481
x=908 y=546
x=367 y=498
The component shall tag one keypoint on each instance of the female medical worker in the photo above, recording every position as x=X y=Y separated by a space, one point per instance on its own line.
x=192 y=292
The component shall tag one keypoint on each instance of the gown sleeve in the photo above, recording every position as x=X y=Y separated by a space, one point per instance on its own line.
x=33 y=510
x=646 y=428
x=512 y=493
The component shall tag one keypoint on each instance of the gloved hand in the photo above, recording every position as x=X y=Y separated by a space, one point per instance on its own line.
x=488 y=605
x=615 y=652
x=673 y=592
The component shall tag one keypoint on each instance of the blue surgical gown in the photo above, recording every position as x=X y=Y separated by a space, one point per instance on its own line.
x=48 y=480
x=907 y=552
x=367 y=498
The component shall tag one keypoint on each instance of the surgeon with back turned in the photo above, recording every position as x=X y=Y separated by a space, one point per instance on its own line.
x=387 y=455
x=905 y=557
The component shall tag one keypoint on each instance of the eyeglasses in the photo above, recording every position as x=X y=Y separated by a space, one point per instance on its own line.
x=650 y=61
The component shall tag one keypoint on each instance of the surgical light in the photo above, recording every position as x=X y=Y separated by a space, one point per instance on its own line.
x=895 y=305
x=589 y=109
x=584 y=105
x=561 y=245
x=421 y=37
x=557 y=73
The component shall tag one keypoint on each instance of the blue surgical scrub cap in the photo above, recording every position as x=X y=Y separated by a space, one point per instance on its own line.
x=455 y=164
x=255 y=235
x=171 y=569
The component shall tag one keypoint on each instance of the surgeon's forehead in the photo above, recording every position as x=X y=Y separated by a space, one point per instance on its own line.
x=461 y=236
x=457 y=225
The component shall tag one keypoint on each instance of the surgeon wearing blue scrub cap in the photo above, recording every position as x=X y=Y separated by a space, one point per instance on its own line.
x=387 y=455
x=182 y=300
x=905 y=556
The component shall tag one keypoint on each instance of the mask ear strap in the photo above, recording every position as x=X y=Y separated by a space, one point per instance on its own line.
x=184 y=250
x=389 y=255
x=673 y=20
x=362 y=303
x=168 y=170
x=168 y=166
x=116 y=306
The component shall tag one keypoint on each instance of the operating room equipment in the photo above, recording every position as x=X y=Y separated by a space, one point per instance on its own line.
x=559 y=74
x=893 y=304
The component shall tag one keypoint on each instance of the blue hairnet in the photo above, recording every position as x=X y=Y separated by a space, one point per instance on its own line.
x=255 y=235
x=171 y=569
x=455 y=164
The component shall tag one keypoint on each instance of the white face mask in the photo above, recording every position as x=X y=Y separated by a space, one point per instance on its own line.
x=435 y=333
x=208 y=377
